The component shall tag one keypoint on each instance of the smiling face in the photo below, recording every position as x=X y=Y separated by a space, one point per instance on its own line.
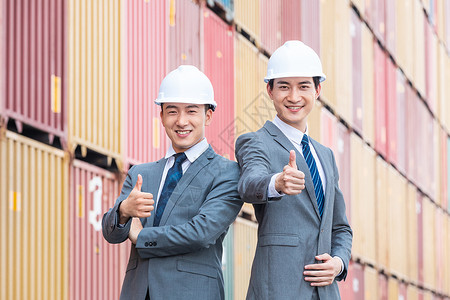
x=185 y=124
x=293 y=98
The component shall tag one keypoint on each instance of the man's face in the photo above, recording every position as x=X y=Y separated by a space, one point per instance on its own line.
x=185 y=124
x=293 y=98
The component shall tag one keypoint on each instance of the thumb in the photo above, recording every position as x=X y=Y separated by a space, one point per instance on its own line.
x=138 y=183
x=292 y=162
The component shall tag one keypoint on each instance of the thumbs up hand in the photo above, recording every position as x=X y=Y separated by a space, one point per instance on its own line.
x=291 y=181
x=138 y=204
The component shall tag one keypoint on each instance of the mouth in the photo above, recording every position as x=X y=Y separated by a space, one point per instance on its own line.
x=294 y=108
x=182 y=132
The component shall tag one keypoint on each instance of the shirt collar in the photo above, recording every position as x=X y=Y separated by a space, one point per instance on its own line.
x=192 y=153
x=290 y=132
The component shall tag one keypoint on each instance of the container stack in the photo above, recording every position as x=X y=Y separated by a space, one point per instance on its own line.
x=76 y=111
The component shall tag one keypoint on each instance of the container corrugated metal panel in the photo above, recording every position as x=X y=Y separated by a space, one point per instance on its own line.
x=402 y=291
x=314 y=122
x=391 y=38
x=420 y=237
x=184 y=34
x=418 y=47
x=397 y=196
x=343 y=161
x=34 y=220
x=227 y=264
x=247 y=16
x=401 y=118
x=252 y=105
x=426 y=166
x=328 y=134
x=245 y=239
x=440 y=19
x=357 y=84
x=219 y=55
x=411 y=132
x=440 y=230
x=368 y=70
x=376 y=17
x=391 y=113
x=146 y=65
x=431 y=44
x=370 y=284
x=336 y=42
x=93 y=275
x=393 y=289
x=94 y=76
x=292 y=20
x=363 y=212
x=34 y=64
x=412 y=233
x=353 y=286
x=380 y=100
x=412 y=292
x=382 y=214
x=435 y=164
x=272 y=18
x=310 y=18
x=445 y=171
x=446 y=262
x=382 y=287
x=447 y=24
x=429 y=243
x=441 y=84
x=405 y=35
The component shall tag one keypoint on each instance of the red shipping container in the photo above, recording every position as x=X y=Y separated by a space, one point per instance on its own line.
x=271 y=16
x=391 y=112
x=402 y=292
x=96 y=267
x=382 y=287
x=375 y=15
x=380 y=100
x=412 y=127
x=391 y=38
x=219 y=67
x=430 y=67
x=444 y=170
x=310 y=22
x=401 y=123
x=291 y=23
x=328 y=129
x=355 y=29
x=343 y=157
x=184 y=34
x=146 y=65
x=32 y=85
x=353 y=286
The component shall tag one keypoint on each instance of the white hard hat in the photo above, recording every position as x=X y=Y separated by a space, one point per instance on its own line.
x=186 y=84
x=294 y=59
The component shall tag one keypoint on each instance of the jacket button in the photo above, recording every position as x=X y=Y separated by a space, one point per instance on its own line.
x=154 y=243
x=259 y=196
x=146 y=244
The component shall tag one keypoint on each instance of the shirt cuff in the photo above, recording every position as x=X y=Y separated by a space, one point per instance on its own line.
x=271 y=191
x=342 y=265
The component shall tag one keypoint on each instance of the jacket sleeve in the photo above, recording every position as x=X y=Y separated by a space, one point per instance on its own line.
x=254 y=163
x=112 y=232
x=342 y=235
x=218 y=211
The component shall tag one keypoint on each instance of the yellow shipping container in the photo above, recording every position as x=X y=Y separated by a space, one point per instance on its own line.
x=314 y=122
x=247 y=15
x=393 y=289
x=429 y=243
x=368 y=85
x=441 y=84
x=397 y=195
x=412 y=293
x=33 y=220
x=253 y=107
x=371 y=288
x=404 y=25
x=245 y=239
x=440 y=19
x=382 y=214
x=418 y=22
x=363 y=206
x=437 y=165
x=335 y=52
x=446 y=258
x=359 y=4
x=411 y=234
x=94 y=101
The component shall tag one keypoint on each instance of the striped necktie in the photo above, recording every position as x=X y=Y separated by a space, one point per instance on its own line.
x=173 y=176
x=318 y=188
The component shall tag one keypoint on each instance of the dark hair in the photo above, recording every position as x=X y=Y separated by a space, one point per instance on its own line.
x=207 y=106
x=316 y=80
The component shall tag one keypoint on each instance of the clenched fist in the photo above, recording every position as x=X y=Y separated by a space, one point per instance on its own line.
x=138 y=204
x=291 y=181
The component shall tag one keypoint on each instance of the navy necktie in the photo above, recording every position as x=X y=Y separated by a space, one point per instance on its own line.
x=173 y=176
x=318 y=188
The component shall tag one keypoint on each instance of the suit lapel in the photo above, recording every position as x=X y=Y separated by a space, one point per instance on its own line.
x=185 y=180
x=281 y=139
x=151 y=185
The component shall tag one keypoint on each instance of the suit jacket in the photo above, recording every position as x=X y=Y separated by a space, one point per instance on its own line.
x=290 y=231
x=180 y=259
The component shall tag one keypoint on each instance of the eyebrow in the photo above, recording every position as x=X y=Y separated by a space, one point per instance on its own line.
x=302 y=82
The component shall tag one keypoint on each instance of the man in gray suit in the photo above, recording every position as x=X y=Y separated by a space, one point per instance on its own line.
x=176 y=250
x=304 y=239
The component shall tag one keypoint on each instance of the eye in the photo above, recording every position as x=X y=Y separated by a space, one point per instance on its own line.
x=283 y=87
x=171 y=112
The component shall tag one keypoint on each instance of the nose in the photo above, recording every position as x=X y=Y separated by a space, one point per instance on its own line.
x=294 y=95
x=182 y=119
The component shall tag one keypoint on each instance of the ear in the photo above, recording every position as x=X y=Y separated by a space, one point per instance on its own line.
x=208 y=117
x=161 y=116
x=318 y=90
x=269 y=91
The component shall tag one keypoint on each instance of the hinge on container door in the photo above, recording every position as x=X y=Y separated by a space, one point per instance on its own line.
x=56 y=93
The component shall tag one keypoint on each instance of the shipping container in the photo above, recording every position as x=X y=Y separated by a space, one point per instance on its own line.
x=245 y=239
x=443 y=169
x=412 y=292
x=34 y=220
x=185 y=23
x=402 y=293
x=145 y=65
x=226 y=5
x=383 y=287
x=446 y=259
x=353 y=286
x=435 y=166
x=309 y=22
x=357 y=75
x=418 y=47
x=314 y=122
x=371 y=289
x=96 y=267
x=382 y=216
x=391 y=38
x=391 y=112
x=401 y=97
x=328 y=134
x=94 y=74
x=440 y=237
x=219 y=67
x=431 y=44
x=363 y=206
x=271 y=14
x=247 y=17
x=440 y=19
x=413 y=209
x=33 y=79
x=412 y=129
x=380 y=100
x=420 y=237
x=443 y=106
x=227 y=264
x=429 y=243
x=375 y=14
x=448 y=174
x=368 y=71
x=252 y=105
x=404 y=31
x=343 y=161
x=393 y=289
